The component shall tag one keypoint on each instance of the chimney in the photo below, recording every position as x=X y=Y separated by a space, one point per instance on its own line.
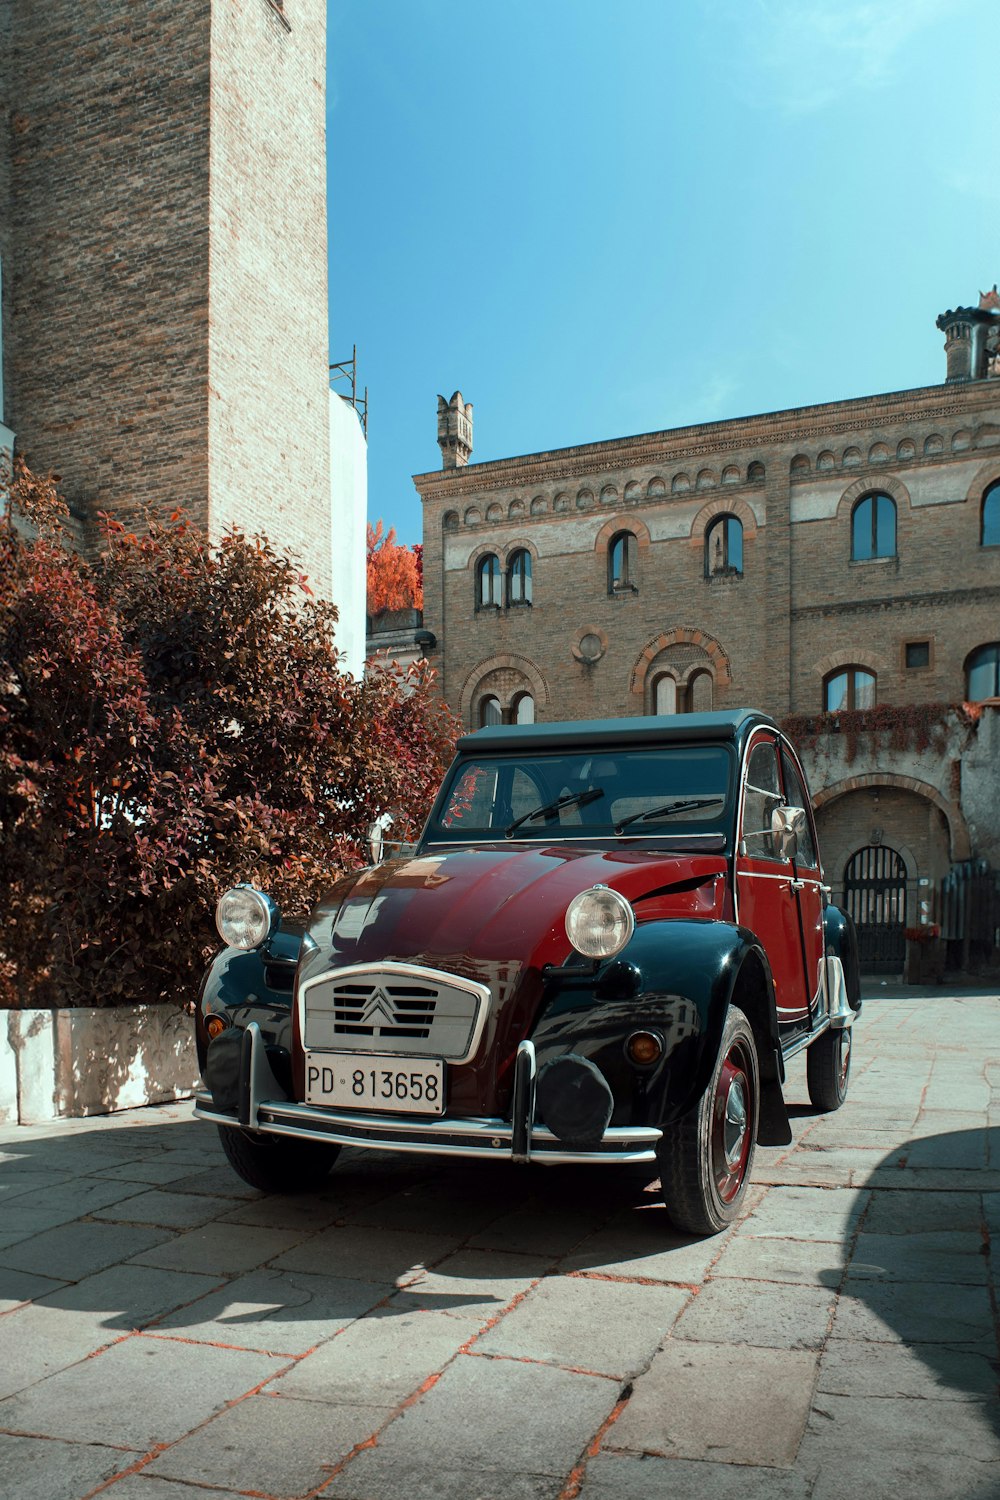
x=454 y=431
x=971 y=339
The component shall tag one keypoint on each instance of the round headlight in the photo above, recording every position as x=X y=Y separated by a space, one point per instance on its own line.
x=245 y=917
x=599 y=922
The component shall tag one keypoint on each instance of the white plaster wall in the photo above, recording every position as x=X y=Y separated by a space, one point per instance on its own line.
x=70 y=1063
x=981 y=787
x=349 y=507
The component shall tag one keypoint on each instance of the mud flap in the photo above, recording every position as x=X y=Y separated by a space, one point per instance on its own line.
x=773 y=1128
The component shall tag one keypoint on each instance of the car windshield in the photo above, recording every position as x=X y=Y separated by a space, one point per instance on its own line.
x=636 y=793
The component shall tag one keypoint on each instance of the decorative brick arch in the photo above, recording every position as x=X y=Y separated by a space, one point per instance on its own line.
x=517 y=546
x=985 y=475
x=851 y=656
x=958 y=832
x=683 y=635
x=627 y=522
x=501 y=661
x=722 y=505
x=882 y=484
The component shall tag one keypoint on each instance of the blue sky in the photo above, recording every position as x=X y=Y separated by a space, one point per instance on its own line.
x=597 y=219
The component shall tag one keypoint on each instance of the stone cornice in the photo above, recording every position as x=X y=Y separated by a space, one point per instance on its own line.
x=890 y=601
x=754 y=434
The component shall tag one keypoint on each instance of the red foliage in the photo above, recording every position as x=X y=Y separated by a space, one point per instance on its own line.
x=173 y=719
x=395 y=573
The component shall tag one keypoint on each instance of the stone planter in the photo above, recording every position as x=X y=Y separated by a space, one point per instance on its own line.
x=67 y=1063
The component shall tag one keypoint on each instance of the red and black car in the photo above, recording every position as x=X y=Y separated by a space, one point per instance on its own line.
x=608 y=940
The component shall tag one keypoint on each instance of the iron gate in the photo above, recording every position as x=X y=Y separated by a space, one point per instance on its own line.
x=875 y=896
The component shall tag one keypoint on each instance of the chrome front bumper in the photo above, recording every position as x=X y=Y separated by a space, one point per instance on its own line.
x=520 y=1139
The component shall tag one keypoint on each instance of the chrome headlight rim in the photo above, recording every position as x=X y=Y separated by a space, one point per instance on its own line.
x=245 y=917
x=599 y=922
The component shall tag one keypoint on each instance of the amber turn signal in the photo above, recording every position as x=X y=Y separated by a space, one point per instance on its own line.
x=644 y=1047
x=215 y=1026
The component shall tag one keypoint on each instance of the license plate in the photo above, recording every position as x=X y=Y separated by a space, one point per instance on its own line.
x=362 y=1080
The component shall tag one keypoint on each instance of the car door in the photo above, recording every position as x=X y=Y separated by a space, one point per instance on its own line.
x=807 y=881
x=767 y=900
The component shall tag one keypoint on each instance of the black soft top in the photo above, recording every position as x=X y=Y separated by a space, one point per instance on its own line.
x=732 y=725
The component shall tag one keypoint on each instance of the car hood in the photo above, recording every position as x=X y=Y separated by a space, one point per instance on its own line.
x=495 y=915
x=469 y=909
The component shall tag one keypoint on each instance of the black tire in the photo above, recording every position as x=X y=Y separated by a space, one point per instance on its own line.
x=277 y=1164
x=705 y=1159
x=828 y=1068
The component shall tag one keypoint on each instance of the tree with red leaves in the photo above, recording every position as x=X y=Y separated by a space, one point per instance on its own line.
x=395 y=572
x=173 y=719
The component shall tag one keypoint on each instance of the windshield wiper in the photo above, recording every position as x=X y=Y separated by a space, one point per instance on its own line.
x=577 y=799
x=684 y=805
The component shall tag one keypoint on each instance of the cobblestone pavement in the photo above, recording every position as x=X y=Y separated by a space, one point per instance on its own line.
x=487 y=1333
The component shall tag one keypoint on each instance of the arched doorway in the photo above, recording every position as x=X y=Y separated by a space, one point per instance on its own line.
x=875 y=896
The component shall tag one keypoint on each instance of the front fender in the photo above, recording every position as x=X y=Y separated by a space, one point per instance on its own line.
x=251 y=986
x=676 y=977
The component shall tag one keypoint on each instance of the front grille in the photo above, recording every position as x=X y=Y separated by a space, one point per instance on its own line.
x=395 y=1009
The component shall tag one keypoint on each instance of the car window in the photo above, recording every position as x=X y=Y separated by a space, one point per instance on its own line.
x=649 y=793
x=762 y=796
x=796 y=796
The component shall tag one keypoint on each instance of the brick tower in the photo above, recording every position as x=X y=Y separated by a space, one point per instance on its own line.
x=164 y=259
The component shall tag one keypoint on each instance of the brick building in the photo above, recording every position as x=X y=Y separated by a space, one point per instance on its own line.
x=828 y=559
x=163 y=248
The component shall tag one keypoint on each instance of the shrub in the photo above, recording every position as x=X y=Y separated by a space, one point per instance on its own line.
x=173 y=719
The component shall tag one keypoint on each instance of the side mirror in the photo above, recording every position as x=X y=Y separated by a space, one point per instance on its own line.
x=375 y=837
x=788 y=824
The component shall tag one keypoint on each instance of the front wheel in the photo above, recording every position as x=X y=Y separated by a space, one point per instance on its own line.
x=828 y=1068
x=705 y=1158
x=277 y=1164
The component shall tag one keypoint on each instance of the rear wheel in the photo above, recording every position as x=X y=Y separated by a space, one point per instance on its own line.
x=277 y=1164
x=705 y=1159
x=828 y=1068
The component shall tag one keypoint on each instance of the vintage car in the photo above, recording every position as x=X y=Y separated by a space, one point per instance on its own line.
x=607 y=942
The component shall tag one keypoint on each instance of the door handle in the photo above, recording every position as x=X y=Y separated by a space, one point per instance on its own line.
x=796 y=885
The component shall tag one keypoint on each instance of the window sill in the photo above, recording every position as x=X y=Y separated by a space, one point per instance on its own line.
x=623 y=591
x=875 y=562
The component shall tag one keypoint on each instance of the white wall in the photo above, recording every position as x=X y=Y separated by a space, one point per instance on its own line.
x=349 y=507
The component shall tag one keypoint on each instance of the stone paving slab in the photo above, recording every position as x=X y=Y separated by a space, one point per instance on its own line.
x=621 y=1477
x=40 y=1469
x=78 y=1248
x=695 y=1401
x=496 y=1334
x=383 y=1358
x=282 y=1312
x=752 y=1312
x=605 y=1327
x=136 y=1394
x=503 y=1414
x=371 y=1477
x=849 y=1368
x=269 y=1445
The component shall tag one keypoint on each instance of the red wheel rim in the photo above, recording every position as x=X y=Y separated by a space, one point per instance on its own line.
x=732 y=1124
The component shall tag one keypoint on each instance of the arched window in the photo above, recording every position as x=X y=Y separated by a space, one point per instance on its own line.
x=523 y=709
x=873 y=528
x=490 y=711
x=665 y=695
x=724 y=546
x=848 y=688
x=622 y=574
x=700 y=693
x=488 y=594
x=989 y=529
x=982 y=673
x=519 y=578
